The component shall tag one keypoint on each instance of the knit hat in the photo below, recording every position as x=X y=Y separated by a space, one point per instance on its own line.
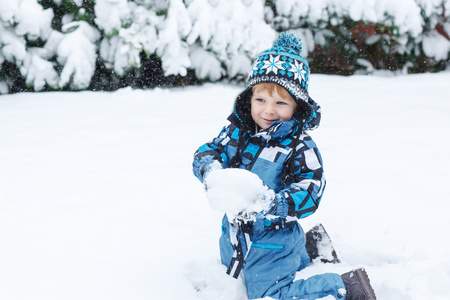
x=284 y=65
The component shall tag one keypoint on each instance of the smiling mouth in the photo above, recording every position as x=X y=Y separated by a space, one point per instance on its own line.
x=269 y=121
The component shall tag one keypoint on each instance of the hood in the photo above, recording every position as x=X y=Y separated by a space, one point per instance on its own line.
x=307 y=116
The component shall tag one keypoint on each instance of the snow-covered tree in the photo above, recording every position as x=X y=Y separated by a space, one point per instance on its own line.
x=215 y=38
x=389 y=34
x=26 y=24
x=64 y=44
x=228 y=34
x=173 y=49
x=76 y=51
x=111 y=16
x=22 y=23
x=436 y=34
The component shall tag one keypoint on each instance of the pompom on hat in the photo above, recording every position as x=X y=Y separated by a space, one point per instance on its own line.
x=283 y=65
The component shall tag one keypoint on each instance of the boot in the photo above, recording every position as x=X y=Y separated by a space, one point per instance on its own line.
x=319 y=245
x=358 y=286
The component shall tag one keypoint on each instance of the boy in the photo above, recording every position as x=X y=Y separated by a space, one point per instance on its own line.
x=266 y=137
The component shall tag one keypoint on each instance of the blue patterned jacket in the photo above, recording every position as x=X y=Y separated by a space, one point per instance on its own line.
x=285 y=158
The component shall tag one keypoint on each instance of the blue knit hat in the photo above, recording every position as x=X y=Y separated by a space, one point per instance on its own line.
x=284 y=65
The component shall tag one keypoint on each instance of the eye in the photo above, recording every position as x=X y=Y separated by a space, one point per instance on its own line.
x=259 y=100
x=281 y=103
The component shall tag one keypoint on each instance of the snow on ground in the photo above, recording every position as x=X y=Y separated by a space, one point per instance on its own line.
x=98 y=200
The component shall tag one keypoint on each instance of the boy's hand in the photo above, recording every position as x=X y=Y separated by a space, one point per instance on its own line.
x=268 y=207
x=208 y=168
x=266 y=203
x=237 y=192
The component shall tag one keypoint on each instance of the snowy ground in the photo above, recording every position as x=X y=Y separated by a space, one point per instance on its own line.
x=98 y=200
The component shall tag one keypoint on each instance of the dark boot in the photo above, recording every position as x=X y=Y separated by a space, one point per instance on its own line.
x=319 y=245
x=358 y=285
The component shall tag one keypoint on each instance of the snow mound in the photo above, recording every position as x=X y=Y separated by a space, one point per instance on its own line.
x=210 y=280
x=234 y=191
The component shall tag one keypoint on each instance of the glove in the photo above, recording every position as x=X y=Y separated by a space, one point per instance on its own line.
x=259 y=210
x=268 y=205
x=208 y=168
x=238 y=192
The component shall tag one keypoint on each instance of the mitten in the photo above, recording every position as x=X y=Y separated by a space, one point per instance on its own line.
x=264 y=205
x=208 y=168
x=268 y=205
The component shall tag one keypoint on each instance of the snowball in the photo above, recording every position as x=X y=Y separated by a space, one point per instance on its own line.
x=237 y=190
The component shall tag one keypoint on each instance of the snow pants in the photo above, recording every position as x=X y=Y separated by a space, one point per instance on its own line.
x=272 y=262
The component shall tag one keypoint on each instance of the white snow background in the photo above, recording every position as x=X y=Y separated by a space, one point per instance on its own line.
x=98 y=200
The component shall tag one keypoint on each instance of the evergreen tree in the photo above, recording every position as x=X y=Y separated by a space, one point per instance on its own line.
x=107 y=44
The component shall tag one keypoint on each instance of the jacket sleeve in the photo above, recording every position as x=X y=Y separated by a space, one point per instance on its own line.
x=216 y=150
x=301 y=196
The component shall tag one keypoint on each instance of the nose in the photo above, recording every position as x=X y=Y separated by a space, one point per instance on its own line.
x=270 y=109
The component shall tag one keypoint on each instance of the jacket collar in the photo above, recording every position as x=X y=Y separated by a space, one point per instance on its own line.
x=278 y=130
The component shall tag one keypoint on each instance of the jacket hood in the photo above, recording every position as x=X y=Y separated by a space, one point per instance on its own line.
x=307 y=116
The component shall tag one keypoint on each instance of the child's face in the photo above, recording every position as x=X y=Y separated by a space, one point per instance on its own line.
x=267 y=108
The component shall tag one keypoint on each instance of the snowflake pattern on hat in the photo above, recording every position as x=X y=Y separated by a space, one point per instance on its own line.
x=283 y=63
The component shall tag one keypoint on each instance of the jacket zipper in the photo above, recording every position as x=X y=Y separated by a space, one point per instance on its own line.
x=268 y=246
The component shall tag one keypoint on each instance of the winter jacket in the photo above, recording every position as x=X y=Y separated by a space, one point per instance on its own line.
x=286 y=159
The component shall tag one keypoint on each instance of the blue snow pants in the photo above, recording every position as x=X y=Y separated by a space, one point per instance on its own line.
x=273 y=259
